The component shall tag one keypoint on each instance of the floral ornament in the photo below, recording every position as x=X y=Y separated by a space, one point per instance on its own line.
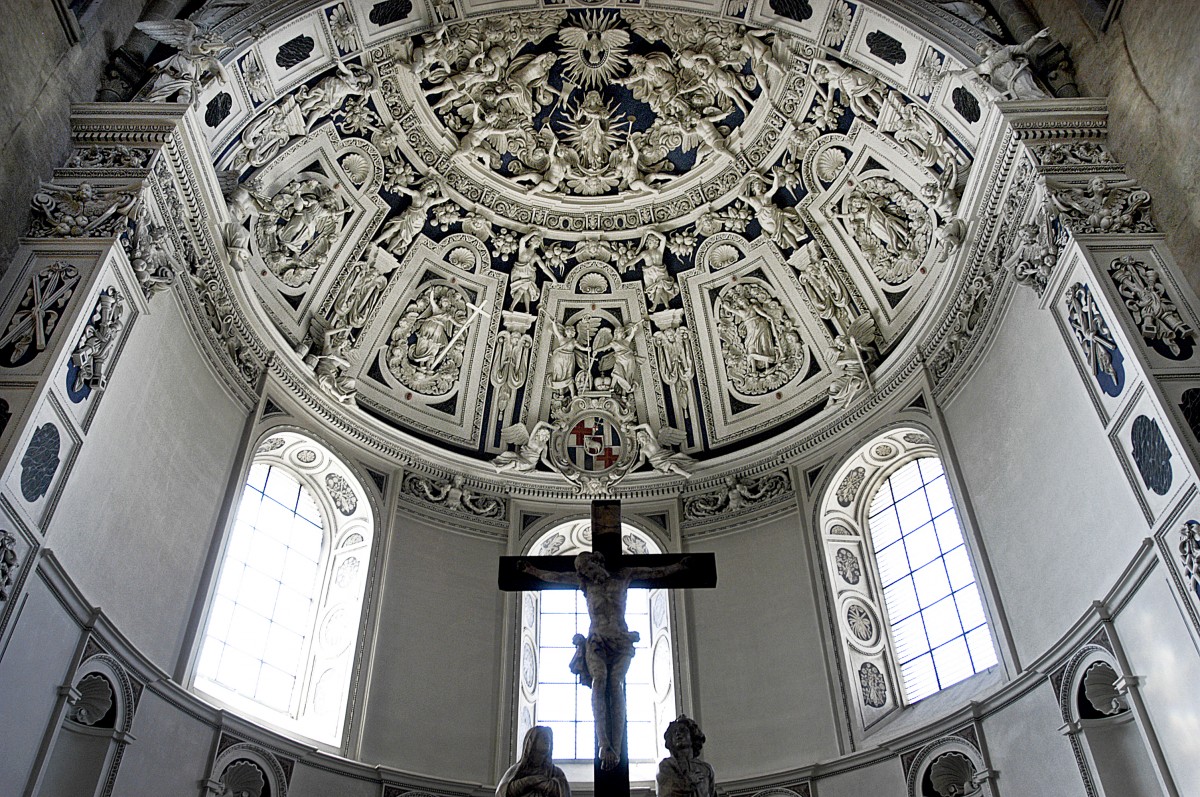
x=859 y=621
x=342 y=28
x=341 y=493
x=839 y=23
x=874 y=688
x=356 y=118
x=847 y=566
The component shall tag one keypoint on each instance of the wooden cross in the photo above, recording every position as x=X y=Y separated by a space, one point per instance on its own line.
x=558 y=572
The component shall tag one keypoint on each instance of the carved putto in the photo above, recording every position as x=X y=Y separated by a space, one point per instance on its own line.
x=453 y=494
x=1103 y=206
x=82 y=211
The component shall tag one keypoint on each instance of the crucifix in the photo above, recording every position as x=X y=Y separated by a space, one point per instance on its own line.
x=605 y=575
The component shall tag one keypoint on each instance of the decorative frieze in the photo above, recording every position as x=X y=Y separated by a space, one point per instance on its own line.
x=737 y=494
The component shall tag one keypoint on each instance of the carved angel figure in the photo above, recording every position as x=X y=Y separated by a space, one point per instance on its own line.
x=83 y=210
x=186 y=73
x=1104 y=205
x=531 y=448
x=653 y=449
x=265 y=136
x=1005 y=69
x=853 y=351
x=861 y=92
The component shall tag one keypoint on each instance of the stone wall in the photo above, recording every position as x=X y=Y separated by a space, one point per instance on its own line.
x=1142 y=63
x=45 y=69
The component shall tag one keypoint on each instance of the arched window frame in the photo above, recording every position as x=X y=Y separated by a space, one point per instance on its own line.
x=871 y=670
x=334 y=641
x=575 y=538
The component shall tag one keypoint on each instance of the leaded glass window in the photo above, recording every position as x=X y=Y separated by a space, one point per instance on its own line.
x=936 y=618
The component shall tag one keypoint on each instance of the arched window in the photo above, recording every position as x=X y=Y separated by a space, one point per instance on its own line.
x=909 y=609
x=551 y=695
x=282 y=623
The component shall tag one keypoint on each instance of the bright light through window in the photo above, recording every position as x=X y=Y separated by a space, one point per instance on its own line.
x=262 y=613
x=563 y=704
x=936 y=615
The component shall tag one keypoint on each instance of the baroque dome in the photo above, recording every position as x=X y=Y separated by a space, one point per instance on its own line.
x=592 y=241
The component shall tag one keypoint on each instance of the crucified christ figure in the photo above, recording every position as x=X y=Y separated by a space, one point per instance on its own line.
x=608 y=649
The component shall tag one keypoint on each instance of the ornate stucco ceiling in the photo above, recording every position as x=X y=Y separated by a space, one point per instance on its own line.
x=585 y=239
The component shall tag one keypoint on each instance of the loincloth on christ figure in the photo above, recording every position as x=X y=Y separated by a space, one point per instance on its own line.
x=606 y=648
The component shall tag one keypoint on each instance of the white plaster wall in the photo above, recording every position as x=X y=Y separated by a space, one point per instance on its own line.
x=33 y=666
x=883 y=779
x=433 y=700
x=171 y=752
x=140 y=508
x=1058 y=518
x=1161 y=651
x=758 y=667
x=1028 y=753
x=308 y=781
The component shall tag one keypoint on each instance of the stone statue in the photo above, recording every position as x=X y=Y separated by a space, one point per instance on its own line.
x=852 y=353
x=523 y=280
x=660 y=288
x=608 y=649
x=531 y=448
x=683 y=774
x=861 y=92
x=534 y=774
x=185 y=74
x=1005 y=69
x=319 y=101
x=653 y=449
x=399 y=233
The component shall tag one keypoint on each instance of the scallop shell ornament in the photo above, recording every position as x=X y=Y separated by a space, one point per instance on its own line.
x=243 y=779
x=461 y=257
x=829 y=164
x=357 y=168
x=95 y=699
x=1100 y=689
x=593 y=283
x=951 y=775
x=723 y=255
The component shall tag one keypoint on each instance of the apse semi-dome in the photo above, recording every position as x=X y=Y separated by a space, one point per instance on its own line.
x=590 y=242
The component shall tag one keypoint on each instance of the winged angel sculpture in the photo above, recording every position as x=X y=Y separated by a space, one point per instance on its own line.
x=185 y=74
